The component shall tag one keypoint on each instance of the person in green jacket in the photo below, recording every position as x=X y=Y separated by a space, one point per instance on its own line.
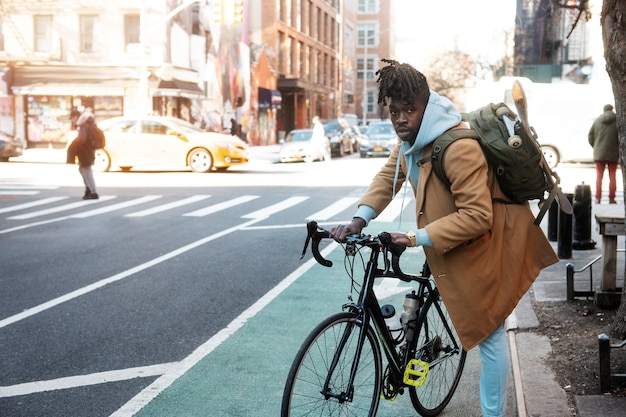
x=603 y=140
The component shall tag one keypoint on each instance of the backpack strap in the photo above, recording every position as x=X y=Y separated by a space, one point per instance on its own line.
x=439 y=146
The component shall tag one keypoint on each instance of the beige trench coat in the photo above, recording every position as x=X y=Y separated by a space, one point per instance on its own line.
x=485 y=254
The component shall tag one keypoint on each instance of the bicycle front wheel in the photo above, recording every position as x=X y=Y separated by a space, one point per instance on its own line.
x=434 y=344
x=334 y=340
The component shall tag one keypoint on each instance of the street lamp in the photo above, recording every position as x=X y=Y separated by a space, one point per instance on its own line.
x=367 y=37
x=364 y=97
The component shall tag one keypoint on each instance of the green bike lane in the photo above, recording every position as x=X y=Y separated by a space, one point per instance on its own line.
x=244 y=372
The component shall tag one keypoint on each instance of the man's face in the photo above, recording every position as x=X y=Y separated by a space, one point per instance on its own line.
x=406 y=118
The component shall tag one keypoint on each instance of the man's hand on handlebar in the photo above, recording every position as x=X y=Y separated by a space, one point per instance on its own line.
x=354 y=228
x=400 y=238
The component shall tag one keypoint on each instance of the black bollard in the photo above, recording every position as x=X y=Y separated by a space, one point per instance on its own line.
x=564 y=244
x=553 y=221
x=582 y=218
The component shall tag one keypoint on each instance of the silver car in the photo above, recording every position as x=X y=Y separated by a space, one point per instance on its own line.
x=379 y=139
x=298 y=146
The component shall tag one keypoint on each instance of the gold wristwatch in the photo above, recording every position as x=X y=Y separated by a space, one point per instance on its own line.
x=411 y=236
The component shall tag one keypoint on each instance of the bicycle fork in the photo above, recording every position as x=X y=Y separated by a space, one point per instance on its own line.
x=347 y=395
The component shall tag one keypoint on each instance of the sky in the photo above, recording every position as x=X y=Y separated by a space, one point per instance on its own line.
x=424 y=27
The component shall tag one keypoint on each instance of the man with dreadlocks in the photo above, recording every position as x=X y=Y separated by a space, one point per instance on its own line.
x=483 y=254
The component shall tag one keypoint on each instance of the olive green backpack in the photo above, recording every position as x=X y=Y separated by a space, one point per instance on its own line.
x=515 y=157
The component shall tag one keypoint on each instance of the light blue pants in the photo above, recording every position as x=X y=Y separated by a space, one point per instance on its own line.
x=87 y=174
x=495 y=364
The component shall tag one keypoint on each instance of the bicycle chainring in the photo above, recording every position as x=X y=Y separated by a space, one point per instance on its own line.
x=389 y=392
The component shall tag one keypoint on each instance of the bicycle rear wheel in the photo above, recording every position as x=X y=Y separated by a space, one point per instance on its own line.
x=303 y=394
x=434 y=344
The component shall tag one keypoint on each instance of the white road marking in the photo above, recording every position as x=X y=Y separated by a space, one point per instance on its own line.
x=85 y=380
x=164 y=207
x=118 y=206
x=76 y=204
x=35 y=203
x=124 y=274
x=153 y=390
x=273 y=209
x=394 y=209
x=221 y=206
x=20 y=192
x=334 y=208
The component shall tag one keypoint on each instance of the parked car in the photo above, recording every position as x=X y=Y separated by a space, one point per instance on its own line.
x=162 y=141
x=10 y=147
x=298 y=146
x=340 y=136
x=379 y=139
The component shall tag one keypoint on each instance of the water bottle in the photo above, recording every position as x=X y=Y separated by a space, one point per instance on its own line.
x=408 y=318
x=393 y=323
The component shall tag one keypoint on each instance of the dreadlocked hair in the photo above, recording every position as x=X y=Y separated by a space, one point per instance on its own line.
x=402 y=82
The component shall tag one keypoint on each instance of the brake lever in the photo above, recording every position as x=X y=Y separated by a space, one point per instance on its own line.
x=311 y=228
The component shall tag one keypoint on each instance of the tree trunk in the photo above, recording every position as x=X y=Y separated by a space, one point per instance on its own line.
x=613 y=21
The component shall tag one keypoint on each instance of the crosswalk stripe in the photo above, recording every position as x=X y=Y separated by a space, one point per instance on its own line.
x=70 y=206
x=164 y=207
x=393 y=209
x=35 y=203
x=221 y=206
x=333 y=209
x=118 y=206
x=275 y=208
x=23 y=192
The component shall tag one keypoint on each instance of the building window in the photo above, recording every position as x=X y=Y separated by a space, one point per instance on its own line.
x=370 y=68
x=131 y=30
x=43 y=33
x=367 y=32
x=368 y=6
x=87 y=31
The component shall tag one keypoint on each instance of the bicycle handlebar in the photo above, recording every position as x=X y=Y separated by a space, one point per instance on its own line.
x=382 y=241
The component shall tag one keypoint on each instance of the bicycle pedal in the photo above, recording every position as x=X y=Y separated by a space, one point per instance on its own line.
x=415 y=373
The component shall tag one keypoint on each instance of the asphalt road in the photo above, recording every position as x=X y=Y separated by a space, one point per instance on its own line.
x=175 y=293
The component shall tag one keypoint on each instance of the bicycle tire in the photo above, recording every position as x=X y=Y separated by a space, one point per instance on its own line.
x=303 y=389
x=429 y=342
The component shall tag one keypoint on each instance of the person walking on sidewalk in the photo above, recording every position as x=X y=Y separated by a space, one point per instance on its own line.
x=319 y=138
x=81 y=148
x=603 y=140
x=483 y=254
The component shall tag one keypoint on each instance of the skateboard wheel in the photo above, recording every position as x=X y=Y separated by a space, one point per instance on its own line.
x=515 y=141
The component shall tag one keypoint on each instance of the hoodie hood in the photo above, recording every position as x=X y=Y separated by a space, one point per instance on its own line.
x=440 y=115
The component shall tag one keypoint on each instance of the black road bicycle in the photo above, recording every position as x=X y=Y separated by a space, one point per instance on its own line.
x=338 y=370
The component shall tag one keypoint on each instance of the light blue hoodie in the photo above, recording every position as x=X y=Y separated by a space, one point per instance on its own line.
x=440 y=115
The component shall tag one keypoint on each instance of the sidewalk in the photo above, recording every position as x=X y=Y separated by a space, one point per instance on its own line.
x=540 y=394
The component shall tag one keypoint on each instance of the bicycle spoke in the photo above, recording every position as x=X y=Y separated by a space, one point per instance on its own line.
x=304 y=391
x=436 y=346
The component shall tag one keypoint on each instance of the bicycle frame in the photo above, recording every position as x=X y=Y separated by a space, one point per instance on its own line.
x=351 y=359
x=367 y=309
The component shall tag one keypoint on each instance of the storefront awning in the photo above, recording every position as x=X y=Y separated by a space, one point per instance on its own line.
x=178 y=88
x=72 y=80
x=269 y=98
x=70 y=89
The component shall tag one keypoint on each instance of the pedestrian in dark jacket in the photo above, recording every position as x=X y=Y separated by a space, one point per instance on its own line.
x=603 y=139
x=81 y=148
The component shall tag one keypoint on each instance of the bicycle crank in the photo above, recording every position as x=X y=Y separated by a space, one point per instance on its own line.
x=415 y=373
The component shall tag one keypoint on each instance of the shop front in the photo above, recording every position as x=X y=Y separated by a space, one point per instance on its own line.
x=49 y=94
